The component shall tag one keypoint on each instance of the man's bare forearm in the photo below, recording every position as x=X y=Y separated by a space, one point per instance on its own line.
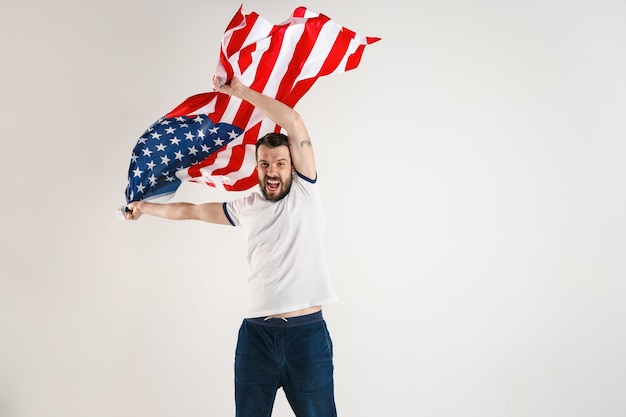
x=278 y=112
x=171 y=211
x=208 y=212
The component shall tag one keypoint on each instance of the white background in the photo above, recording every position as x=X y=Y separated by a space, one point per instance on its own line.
x=474 y=182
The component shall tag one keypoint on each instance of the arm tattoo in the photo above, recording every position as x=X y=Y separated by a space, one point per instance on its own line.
x=305 y=144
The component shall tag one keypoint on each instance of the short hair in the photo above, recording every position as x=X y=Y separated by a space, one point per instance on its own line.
x=272 y=140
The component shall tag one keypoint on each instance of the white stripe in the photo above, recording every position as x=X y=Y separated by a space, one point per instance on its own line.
x=352 y=48
x=285 y=55
x=249 y=75
x=223 y=160
x=206 y=109
x=320 y=52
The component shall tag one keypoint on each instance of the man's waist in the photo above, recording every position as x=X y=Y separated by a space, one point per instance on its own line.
x=292 y=318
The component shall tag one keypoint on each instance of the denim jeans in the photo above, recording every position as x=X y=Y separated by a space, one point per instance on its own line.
x=296 y=354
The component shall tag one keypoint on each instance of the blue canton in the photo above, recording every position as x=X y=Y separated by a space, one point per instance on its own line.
x=171 y=145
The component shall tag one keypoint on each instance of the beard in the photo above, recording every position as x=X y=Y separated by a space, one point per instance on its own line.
x=286 y=187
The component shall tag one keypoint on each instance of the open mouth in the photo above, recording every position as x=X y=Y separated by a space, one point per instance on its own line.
x=272 y=185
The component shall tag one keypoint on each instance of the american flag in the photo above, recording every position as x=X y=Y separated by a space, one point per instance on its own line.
x=210 y=137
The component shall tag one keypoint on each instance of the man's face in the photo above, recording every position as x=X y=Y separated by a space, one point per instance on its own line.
x=274 y=170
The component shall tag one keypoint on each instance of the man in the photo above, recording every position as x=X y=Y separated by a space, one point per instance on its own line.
x=284 y=341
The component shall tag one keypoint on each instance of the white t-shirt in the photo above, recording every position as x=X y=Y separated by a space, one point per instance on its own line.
x=287 y=267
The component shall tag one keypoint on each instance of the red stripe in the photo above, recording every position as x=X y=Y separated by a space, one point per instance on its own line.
x=194 y=170
x=266 y=63
x=238 y=152
x=236 y=20
x=244 y=183
x=245 y=57
x=227 y=67
x=299 y=12
x=269 y=57
x=332 y=61
x=302 y=53
x=191 y=104
x=244 y=112
x=235 y=162
x=355 y=58
x=336 y=54
x=239 y=36
x=221 y=105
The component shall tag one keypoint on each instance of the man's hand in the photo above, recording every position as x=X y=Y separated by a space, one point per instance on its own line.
x=233 y=88
x=133 y=211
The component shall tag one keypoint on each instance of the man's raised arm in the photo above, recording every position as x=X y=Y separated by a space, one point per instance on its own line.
x=300 y=147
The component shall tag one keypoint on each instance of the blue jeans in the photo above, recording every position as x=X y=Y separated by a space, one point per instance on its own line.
x=296 y=355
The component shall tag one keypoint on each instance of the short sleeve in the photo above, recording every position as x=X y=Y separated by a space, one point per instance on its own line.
x=234 y=209
x=308 y=187
x=228 y=212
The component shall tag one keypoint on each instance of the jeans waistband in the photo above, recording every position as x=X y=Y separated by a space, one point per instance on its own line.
x=287 y=322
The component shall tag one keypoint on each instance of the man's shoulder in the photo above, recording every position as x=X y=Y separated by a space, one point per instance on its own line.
x=306 y=186
x=306 y=179
x=252 y=198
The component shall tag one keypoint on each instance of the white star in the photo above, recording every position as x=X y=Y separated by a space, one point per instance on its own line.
x=170 y=130
x=147 y=152
x=134 y=157
x=165 y=160
x=169 y=179
x=156 y=135
x=184 y=125
x=206 y=149
x=179 y=155
x=214 y=130
x=152 y=180
x=180 y=119
x=198 y=119
x=218 y=142
x=142 y=140
x=165 y=122
x=189 y=135
x=137 y=172
x=175 y=140
x=200 y=134
x=232 y=134
x=193 y=150
x=161 y=147
x=151 y=165
x=140 y=188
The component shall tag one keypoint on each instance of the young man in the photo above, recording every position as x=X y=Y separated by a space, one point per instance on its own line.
x=284 y=341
